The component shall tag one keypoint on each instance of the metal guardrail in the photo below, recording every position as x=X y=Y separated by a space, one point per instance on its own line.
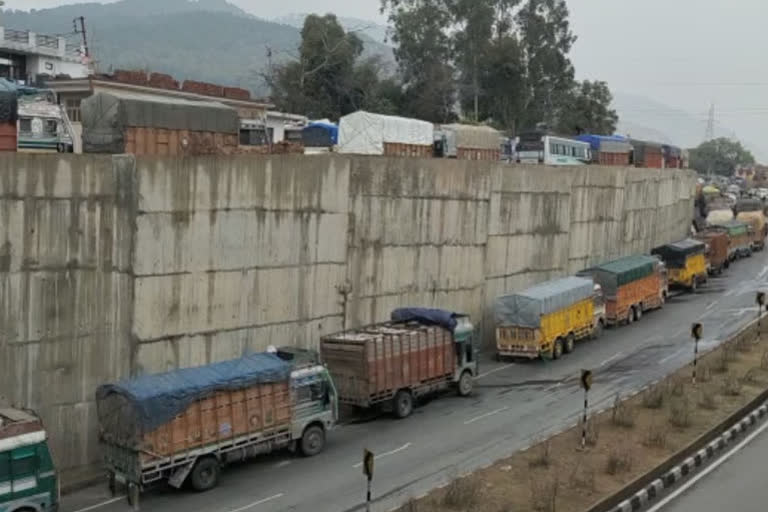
x=17 y=36
x=47 y=41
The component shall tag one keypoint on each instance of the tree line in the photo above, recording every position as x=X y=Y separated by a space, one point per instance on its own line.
x=499 y=62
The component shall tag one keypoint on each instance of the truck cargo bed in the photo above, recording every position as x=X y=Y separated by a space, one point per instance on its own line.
x=370 y=365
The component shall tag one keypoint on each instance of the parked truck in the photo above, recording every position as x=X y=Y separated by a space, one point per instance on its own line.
x=686 y=261
x=717 y=243
x=546 y=320
x=632 y=285
x=739 y=241
x=28 y=480
x=419 y=352
x=756 y=221
x=185 y=425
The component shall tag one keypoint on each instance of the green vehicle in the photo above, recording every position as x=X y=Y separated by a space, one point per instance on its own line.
x=28 y=480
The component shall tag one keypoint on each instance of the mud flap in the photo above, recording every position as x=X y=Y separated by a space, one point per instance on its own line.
x=178 y=477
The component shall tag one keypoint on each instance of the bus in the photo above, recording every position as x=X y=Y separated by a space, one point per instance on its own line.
x=43 y=125
x=541 y=148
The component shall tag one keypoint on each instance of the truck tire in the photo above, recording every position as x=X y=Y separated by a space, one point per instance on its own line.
x=464 y=387
x=557 y=349
x=638 y=312
x=597 y=331
x=312 y=441
x=205 y=474
x=570 y=343
x=630 y=316
x=403 y=404
x=133 y=496
x=694 y=285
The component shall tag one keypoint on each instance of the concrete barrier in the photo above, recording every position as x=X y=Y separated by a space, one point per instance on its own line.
x=114 y=266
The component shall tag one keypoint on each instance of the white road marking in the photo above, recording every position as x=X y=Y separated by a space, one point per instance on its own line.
x=260 y=502
x=282 y=464
x=490 y=372
x=386 y=454
x=99 y=505
x=671 y=356
x=478 y=418
x=731 y=292
x=711 y=305
x=763 y=272
x=611 y=359
x=709 y=469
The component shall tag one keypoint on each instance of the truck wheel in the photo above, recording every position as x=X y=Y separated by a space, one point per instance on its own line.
x=465 y=383
x=133 y=496
x=570 y=343
x=205 y=475
x=403 y=405
x=638 y=312
x=694 y=285
x=557 y=350
x=313 y=441
x=630 y=316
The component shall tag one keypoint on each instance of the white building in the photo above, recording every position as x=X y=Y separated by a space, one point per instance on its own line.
x=24 y=55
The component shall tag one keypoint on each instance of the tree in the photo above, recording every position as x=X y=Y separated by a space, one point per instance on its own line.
x=720 y=156
x=424 y=57
x=588 y=110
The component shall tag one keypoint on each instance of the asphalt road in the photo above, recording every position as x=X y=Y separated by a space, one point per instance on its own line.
x=738 y=485
x=514 y=404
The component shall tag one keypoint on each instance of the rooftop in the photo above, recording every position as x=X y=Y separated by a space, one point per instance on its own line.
x=26 y=41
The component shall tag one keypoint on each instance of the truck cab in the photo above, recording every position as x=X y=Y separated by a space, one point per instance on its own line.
x=28 y=481
x=467 y=365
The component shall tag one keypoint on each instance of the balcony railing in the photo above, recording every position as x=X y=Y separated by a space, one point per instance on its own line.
x=17 y=36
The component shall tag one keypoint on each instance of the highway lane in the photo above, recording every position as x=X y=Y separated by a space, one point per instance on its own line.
x=736 y=483
x=514 y=405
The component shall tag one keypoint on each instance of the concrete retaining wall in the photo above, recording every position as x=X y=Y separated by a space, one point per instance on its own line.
x=111 y=267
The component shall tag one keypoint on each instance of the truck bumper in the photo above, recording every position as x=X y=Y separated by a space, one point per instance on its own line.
x=518 y=352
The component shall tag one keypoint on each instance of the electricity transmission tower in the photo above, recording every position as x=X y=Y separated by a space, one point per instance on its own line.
x=710 y=133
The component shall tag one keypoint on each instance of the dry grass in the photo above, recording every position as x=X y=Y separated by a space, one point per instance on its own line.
x=462 y=493
x=622 y=414
x=555 y=475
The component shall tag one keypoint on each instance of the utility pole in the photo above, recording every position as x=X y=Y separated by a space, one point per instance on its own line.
x=81 y=30
x=710 y=133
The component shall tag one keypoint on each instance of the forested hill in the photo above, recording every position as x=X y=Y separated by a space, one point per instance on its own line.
x=208 y=40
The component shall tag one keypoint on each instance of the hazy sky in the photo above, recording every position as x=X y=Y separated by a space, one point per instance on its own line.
x=684 y=53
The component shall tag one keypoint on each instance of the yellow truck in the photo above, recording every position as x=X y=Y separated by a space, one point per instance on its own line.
x=686 y=262
x=545 y=321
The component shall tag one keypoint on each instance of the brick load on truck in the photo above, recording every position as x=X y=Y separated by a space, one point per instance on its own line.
x=632 y=285
x=420 y=351
x=545 y=320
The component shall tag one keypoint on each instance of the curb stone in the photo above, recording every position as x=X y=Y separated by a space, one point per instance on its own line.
x=677 y=474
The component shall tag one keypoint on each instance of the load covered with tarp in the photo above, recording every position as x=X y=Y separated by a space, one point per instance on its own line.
x=131 y=408
x=426 y=316
x=719 y=217
x=525 y=309
x=617 y=273
x=676 y=253
x=107 y=116
x=9 y=100
x=736 y=228
x=472 y=137
x=364 y=133
x=750 y=204
x=606 y=143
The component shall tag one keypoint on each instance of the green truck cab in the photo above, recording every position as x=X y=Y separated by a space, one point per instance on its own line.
x=28 y=480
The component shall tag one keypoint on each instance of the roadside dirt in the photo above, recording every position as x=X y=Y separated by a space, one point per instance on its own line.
x=625 y=442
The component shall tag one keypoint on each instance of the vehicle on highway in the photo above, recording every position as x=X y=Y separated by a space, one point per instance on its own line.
x=756 y=221
x=739 y=241
x=716 y=242
x=28 y=480
x=419 y=352
x=185 y=425
x=539 y=148
x=686 y=263
x=546 y=320
x=632 y=285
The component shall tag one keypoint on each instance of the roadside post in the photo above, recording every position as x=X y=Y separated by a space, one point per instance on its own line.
x=586 y=383
x=760 y=304
x=368 y=472
x=696 y=332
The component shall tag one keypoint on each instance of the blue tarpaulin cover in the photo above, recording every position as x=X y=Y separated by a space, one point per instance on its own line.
x=158 y=398
x=427 y=316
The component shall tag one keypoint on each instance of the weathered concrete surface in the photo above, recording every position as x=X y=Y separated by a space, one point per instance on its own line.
x=65 y=290
x=117 y=267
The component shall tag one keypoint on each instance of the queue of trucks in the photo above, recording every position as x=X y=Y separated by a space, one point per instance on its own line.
x=183 y=427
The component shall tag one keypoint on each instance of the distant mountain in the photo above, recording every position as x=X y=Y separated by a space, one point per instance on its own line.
x=208 y=40
x=645 y=118
x=370 y=29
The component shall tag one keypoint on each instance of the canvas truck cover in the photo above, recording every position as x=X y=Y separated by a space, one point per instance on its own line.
x=9 y=99
x=719 y=217
x=364 y=133
x=150 y=401
x=606 y=143
x=474 y=137
x=526 y=308
x=614 y=274
x=736 y=228
x=441 y=317
x=750 y=205
x=107 y=115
